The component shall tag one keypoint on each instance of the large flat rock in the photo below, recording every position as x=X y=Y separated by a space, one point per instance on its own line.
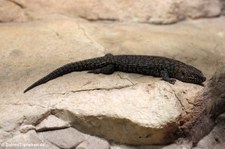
x=125 y=108
x=157 y=12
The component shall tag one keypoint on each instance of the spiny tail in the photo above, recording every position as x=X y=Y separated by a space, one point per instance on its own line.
x=71 y=67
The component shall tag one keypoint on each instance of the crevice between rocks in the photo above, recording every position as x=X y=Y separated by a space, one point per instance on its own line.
x=102 y=89
x=99 y=19
x=93 y=89
x=102 y=48
x=51 y=129
x=17 y=4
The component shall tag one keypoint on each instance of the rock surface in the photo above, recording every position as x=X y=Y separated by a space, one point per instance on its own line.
x=125 y=108
x=27 y=141
x=63 y=138
x=157 y=12
x=51 y=123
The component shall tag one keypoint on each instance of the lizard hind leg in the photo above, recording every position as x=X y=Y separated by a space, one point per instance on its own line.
x=109 y=69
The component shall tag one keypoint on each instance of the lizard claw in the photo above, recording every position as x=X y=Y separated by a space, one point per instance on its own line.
x=172 y=81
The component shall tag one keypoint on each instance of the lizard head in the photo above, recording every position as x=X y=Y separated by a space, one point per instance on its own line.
x=190 y=74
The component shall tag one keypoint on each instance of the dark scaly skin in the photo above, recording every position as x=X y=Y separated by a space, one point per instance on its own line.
x=166 y=68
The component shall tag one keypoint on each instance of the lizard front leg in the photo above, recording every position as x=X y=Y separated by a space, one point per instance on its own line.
x=165 y=76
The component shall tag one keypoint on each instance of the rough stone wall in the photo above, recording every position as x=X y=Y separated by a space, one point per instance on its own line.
x=156 y=12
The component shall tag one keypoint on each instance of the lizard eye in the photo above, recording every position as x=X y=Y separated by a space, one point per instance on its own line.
x=183 y=73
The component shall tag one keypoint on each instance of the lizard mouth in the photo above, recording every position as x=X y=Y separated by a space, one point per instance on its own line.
x=199 y=80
